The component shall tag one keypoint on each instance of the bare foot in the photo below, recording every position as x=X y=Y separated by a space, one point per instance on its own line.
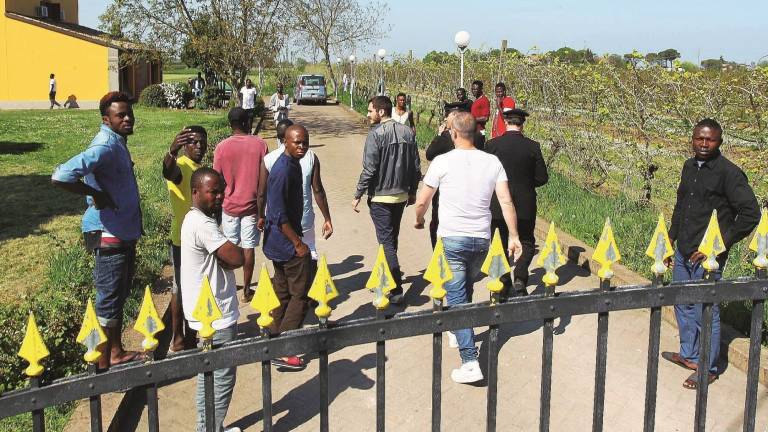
x=126 y=356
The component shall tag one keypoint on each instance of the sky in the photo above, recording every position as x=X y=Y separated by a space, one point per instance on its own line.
x=698 y=29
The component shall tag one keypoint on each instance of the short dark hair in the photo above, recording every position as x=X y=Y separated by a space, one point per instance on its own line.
x=237 y=117
x=382 y=103
x=477 y=83
x=502 y=85
x=197 y=129
x=400 y=94
x=710 y=123
x=197 y=177
x=52 y=75
x=516 y=120
x=112 y=97
x=283 y=126
x=461 y=89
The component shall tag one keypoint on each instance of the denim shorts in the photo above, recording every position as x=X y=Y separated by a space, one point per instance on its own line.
x=113 y=272
x=241 y=230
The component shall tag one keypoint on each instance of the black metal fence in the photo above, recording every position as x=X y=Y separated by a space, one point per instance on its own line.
x=379 y=329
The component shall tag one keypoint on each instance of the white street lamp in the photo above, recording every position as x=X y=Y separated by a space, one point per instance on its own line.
x=462 y=42
x=381 y=53
x=351 y=79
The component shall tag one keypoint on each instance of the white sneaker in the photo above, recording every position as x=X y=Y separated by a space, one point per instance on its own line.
x=233 y=429
x=452 y=342
x=469 y=372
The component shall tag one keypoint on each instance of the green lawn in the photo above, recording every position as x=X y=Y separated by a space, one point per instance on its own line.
x=46 y=269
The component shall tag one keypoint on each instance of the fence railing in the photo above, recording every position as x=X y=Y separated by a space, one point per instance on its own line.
x=379 y=329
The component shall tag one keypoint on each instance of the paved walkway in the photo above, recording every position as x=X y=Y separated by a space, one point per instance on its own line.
x=337 y=136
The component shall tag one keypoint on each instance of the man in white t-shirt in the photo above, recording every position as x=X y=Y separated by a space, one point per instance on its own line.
x=52 y=91
x=467 y=178
x=205 y=251
x=249 y=94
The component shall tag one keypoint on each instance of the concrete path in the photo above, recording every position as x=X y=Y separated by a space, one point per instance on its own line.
x=337 y=136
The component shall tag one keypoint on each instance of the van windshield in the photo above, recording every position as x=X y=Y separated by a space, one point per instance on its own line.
x=313 y=81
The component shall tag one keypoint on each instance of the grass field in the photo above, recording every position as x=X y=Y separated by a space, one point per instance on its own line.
x=46 y=269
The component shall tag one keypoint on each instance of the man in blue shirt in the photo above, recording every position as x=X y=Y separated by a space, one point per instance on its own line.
x=111 y=224
x=282 y=239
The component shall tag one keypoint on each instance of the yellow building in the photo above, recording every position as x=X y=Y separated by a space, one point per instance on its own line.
x=39 y=38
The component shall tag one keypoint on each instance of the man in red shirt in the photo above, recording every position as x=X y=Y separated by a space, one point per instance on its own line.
x=481 y=107
x=238 y=159
x=503 y=103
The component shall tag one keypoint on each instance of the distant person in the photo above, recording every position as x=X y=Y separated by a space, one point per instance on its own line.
x=461 y=97
x=249 y=94
x=71 y=102
x=52 y=92
x=503 y=103
x=345 y=81
x=312 y=185
x=177 y=171
x=283 y=243
x=206 y=252
x=441 y=144
x=401 y=113
x=279 y=104
x=524 y=164
x=481 y=107
x=708 y=182
x=238 y=159
x=390 y=177
x=111 y=225
x=198 y=85
x=467 y=178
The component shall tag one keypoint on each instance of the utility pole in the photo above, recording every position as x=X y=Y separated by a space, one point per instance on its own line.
x=501 y=58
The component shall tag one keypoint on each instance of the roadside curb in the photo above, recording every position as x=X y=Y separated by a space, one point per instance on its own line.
x=733 y=343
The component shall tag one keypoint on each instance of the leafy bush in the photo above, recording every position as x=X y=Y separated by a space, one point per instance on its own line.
x=174 y=94
x=153 y=96
x=210 y=99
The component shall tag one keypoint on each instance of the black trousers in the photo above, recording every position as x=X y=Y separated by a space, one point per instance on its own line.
x=291 y=282
x=525 y=229
x=386 y=219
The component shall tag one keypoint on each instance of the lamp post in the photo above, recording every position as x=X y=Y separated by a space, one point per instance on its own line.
x=336 y=78
x=462 y=42
x=351 y=79
x=381 y=53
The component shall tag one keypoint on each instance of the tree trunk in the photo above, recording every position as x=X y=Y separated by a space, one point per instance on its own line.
x=329 y=67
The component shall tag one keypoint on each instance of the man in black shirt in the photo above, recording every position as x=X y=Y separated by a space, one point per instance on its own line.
x=443 y=143
x=708 y=182
x=526 y=170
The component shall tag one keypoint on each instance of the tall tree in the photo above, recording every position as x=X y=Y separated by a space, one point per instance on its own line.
x=333 y=25
x=232 y=36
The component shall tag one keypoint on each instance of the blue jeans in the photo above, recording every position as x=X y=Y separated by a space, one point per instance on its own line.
x=223 y=384
x=465 y=256
x=689 y=315
x=113 y=272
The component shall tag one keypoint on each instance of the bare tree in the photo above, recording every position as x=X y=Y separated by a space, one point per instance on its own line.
x=233 y=36
x=329 y=25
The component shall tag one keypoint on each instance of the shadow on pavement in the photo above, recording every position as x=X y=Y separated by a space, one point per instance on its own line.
x=301 y=404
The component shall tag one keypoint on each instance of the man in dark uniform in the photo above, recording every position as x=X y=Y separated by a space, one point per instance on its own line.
x=524 y=164
x=443 y=143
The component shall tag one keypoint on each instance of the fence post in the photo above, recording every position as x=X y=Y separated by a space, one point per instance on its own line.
x=265 y=301
x=206 y=312
x=660 y=249
x=323 y=290
x=148 y=324
x=438 y=272
x=606 y=254
x=759 y=245
x=551 y=258
x=92 y=336
x=33 y=350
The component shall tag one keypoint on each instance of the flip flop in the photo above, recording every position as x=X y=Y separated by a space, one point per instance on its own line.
x=133 y=356
x=676 y=359
x=692 y=381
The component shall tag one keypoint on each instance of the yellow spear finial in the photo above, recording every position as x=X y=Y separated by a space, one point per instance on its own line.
x=33 y=348
x=660 y=248
x=606 y=252
x=148 y=323
x=91 y=335
x=551 y=258
x=206 y=310
x=712 y=244
x=265 y=300
x=381 y=281
x=496 y=264
x=323 y=289
x=438 y=271
x=759 y=243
